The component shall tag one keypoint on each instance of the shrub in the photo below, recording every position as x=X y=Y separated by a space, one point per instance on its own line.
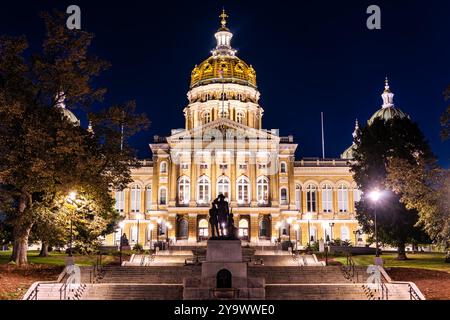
x=138 y=248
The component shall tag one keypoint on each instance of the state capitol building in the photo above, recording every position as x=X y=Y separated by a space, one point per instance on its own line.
x=224 y=149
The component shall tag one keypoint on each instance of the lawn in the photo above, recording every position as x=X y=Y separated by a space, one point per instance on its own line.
x=56 y=258
x=430 y=261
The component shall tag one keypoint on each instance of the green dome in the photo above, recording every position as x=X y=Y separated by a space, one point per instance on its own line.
x=387 y=113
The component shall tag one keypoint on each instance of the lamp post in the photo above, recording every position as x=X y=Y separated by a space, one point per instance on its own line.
x=375 y=195
x=331 y=231
x=150 y=228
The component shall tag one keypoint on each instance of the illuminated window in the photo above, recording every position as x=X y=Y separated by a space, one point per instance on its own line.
x=148 y=198
x=163 y=196
x=283 y=167
x=327 y=198
x=243 y=190
x=203 y=228
x=120 y=201
x=207 y=117
x=240 y=116
x=184 y=190
x=262 y=187
x=283 y=196
x=223 y=186
x=135 y=198
x=345 y=234
x=243 y=228
x=298 y=197
x=133 y=234
x=163 y=167
x=342 y=198
x=311 y=198
x=203 y=190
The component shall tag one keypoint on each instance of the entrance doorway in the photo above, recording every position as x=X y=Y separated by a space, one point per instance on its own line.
x=223 y=279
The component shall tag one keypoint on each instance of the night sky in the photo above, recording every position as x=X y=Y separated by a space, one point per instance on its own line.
x=309 y=56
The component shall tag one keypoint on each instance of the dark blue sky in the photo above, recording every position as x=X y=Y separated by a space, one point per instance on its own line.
x=310 y=56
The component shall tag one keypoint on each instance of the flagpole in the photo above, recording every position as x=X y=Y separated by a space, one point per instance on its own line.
x=323 y=138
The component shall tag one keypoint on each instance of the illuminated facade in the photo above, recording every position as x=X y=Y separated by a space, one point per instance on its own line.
x=223 y=148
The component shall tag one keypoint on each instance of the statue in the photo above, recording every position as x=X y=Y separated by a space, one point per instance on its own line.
x=220 y=219
x=214 y=220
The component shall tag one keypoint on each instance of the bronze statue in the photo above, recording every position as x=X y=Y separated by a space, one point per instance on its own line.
x=221 y=219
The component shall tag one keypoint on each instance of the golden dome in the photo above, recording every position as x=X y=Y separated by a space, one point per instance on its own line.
x=234 y=70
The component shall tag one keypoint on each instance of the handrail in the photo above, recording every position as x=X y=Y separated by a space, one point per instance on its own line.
x=413 y=295
x=34 y=294
x=349 y=269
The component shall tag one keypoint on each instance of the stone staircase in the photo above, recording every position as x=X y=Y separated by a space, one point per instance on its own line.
x=133 y=291
x=315 y=292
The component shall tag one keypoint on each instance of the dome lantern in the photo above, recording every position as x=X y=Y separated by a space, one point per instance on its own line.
x=223 y=38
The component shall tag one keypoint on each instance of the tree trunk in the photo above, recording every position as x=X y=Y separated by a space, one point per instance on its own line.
x=401 y=253
x=21 y=232
x=44 y=249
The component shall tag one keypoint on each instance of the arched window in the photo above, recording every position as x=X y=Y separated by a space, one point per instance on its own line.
x=311 y=198
x=184 y=190
x=208 y=97
x=240 y=116
x=120 y=201
x=163 y=196
x=243 y=228
x=356 y=195
x=298 y=197
x=264 y=227
x=133 y=234
x=223 y=96
x=327 y=233
x=203 y=229
x=223 y=113
x=262 y=190
x=243 y=190
x=342 y=198
x=223 y=186
x=283 y=196
x=283 y=167
x=162 y=227
x=117 y=236
x=135 y=198
x=206 y=117
x=239 y=96
x=345 y=234
x=203 y=190
x=148 y=198
x=182 y=228
x=163 y=167
x=327 y=198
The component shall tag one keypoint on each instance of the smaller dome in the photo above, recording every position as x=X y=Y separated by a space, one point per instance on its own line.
x=387 y=114
x=70 y=116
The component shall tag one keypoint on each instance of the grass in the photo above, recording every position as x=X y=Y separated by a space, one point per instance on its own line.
x=430 y=261
x=57 y=258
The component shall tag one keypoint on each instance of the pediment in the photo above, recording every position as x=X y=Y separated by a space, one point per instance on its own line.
x=222 y=129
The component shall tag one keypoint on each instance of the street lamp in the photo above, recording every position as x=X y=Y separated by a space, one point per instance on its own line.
x=138 y=217
x=375 y=195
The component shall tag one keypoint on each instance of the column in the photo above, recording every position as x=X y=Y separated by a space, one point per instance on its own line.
x=291 y=181
x=155 y=184
x=254 y=227
x=192 y=228
x=213 y=175
x=173 y=221
x=173 y=183
x=193 y=202
x=275 y=231
x=233 y=166
x=253 y=177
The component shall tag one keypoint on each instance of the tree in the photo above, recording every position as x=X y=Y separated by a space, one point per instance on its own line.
x=376 y=145
x=445 y=119
x=424 y=187
x=43 y=155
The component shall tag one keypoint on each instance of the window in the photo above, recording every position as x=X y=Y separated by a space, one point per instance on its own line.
x=356 y=195
x=243 y=228
x=327 y=198
x=345 y=234
x=135 y=198
x=223 y=186
x=120 y=201
x=298 y=197
x=239 y=96
x=203 y=166
x=242 y=166
x=206 y=117
x=223 y=113
x=240 y=117
x=262 y=190
x=342 y=198
x=133 y=234
x=203 y=229
x=283 y=196
x=223 y=166
x=311 y=196
x=264 y=227
x=148 y=198
x=184 y=190
x=184 y=166
x=223 y=96
x=208 y=97
x=203 y=190
x=283 y=168
x=163 y=167
x=243 y=190
x=162 y=227
x=117 y=236
x=262 y=165
x=327 y=233
x=182 y=229
x=313 y=234
x=163 y=196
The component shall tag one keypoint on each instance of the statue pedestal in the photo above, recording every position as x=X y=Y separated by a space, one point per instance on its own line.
x=224 y=275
